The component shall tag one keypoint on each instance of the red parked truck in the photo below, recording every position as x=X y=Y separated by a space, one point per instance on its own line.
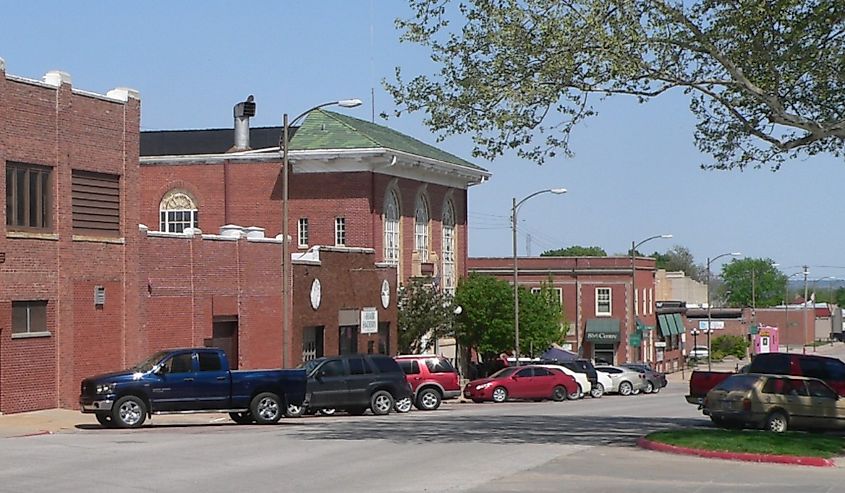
x=831 y=370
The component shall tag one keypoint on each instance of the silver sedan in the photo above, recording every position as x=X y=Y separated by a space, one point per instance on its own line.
x=625 y=381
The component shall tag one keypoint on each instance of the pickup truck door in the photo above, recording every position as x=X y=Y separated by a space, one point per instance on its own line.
x=327 y=386
x=172 y=386
x=212 y=383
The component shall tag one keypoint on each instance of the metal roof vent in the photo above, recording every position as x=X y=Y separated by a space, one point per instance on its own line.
x=243 y=111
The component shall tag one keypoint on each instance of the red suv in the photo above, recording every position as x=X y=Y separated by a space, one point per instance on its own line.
x=432 y=379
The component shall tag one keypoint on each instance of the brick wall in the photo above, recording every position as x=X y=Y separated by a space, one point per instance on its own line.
x=55 y=126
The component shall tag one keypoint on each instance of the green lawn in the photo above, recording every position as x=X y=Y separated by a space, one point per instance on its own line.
x=753 y=441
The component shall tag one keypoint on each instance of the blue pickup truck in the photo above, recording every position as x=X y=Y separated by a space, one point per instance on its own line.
x=190 y=380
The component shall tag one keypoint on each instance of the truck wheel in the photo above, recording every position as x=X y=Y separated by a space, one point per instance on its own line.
x=242 y=418
x=266 y=408
x=381 y=402
x=105 y=420
x=428 y=400
x=129 y=412
x=403 y=405
x=294 y=411
x=330 y=411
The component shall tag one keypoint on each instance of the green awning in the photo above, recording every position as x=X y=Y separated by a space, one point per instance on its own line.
x=673 y=326
x=679 y=323
x=602 y=330
x=663 y=322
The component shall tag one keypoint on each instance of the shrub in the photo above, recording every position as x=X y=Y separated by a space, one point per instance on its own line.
x=728 y=346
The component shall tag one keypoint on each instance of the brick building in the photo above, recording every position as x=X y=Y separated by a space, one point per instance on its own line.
x=596 y=298
x=353 y=184
x=84 y=290
x=69 y=173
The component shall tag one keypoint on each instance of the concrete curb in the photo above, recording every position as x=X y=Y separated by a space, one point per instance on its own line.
x=748 y=457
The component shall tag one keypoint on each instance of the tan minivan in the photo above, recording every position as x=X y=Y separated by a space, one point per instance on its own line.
x=775 y=403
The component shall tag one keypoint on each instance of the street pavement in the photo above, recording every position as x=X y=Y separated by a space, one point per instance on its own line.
x=586 y=445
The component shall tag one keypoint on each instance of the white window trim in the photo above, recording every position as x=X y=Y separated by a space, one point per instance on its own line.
x=177 y=201
x=422 y=229
x=449 y=245
x=299 y=229
x=392 y=236
x=340 y=231
x=609 y=311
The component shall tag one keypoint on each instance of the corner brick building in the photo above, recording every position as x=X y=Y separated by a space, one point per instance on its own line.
x=84 y=289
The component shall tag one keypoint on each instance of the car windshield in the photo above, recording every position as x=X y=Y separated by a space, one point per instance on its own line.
x=310 y=365
x=149 y=363
x=505 y=372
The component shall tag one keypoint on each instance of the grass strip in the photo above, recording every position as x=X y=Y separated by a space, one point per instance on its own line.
x=754 y=441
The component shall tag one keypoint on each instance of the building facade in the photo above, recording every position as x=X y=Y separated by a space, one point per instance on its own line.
x=597 y=298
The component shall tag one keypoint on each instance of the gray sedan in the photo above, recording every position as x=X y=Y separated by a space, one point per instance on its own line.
x=625 y=381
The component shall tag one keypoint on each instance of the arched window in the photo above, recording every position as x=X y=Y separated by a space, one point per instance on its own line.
x=421 y=218
x=391 y=228
x=449 y=248
x=178 y=211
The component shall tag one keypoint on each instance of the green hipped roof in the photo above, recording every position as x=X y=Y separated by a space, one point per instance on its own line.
x=328 y=130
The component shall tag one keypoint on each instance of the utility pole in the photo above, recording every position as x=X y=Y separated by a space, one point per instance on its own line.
x=804 y=342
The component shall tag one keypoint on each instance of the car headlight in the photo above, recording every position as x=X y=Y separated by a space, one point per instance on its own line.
x=107 y=388
x=483 y=386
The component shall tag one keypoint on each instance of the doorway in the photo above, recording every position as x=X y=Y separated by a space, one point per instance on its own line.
x=312 y=343
x=348 y=339
x=224 y=335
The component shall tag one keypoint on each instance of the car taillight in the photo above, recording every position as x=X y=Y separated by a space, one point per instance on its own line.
x=746 y=404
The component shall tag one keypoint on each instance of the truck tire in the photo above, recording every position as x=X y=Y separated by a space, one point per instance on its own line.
x=266 y=408
x=242 y=418
x=381 y=402
x=105 y=420
x=129 y=412
x=294 y=411
x=428 y=400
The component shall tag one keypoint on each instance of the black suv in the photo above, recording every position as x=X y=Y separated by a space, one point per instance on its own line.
x=583 y=366
x=354 y=383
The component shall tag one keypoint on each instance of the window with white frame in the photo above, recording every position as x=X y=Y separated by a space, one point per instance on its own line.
x=421 y=225
x=645 y=301
x=391 y=228
x=636 y=302
x=650 y=300
x=177 y=212
x=302 y=232
x=340 y=231
x=449 y=248
x=603 y=302
x=558 y=292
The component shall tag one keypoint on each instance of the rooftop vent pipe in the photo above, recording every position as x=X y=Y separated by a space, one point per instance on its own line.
x=243 y=111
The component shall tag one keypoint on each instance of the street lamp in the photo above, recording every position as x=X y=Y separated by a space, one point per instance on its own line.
x=632 y=330
x=514 y=210
x=284 y=143
x=709 y=318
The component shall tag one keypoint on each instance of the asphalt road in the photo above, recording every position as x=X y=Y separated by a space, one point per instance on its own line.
x=586 y=445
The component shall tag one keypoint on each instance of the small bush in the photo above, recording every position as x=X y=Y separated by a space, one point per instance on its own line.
x=728 y=346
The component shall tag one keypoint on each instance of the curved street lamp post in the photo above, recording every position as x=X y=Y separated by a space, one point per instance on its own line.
x=709 y=317
x=284 y=143
x=633 y=329
x=514 y=210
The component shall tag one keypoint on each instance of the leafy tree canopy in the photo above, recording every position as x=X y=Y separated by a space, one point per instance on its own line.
x=764 y=79
x=576 y=251
x=424 y=314
x=679 y=258
x=486 y=321
x=751 y=281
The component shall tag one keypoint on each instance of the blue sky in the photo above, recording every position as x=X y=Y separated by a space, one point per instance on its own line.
x=635 y=172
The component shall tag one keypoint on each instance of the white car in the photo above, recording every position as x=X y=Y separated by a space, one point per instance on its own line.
x=605 y=383
x=699 y=352
x=580 y=378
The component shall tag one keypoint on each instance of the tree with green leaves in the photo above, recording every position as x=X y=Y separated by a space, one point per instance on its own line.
x=425 y=314
x=839 y=297
x=752 y=282
x=576 y=251
x=679 y=259
x=486 y=320
x=763 y=79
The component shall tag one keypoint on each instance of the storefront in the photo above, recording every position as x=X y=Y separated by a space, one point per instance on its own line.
x=603 y=336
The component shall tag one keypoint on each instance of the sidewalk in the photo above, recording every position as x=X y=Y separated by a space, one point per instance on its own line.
x=50 y=421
